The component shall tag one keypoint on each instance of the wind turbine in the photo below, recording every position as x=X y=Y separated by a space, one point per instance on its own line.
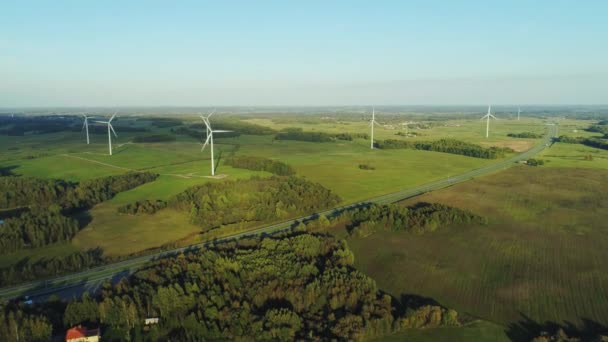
x=109 y=128
x=518 y=112
x=371 y=124
x=487 y=117
x=209 y=139
x=85 y=126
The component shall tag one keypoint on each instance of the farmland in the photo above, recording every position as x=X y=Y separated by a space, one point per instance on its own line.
x=539 y=256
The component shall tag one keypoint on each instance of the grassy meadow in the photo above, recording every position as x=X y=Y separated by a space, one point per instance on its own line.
x=541 y=255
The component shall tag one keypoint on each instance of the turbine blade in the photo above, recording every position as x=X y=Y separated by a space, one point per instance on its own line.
x=206 y=142
x=221 y=131
x=84 y=124
x=212 y=112
x=112 y=129
x=112 y=118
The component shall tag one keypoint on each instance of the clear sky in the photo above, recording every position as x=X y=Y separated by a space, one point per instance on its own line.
x=185 y=53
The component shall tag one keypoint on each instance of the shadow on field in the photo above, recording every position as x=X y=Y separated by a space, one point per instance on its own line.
x=527 y=329
x=8 y=170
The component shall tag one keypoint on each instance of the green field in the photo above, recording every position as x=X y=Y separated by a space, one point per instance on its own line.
x=542 y=254
x=181 y=164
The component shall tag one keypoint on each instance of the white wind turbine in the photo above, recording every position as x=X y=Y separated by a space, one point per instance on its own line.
x=209 y=139
x=109 y=128
x=371 y=124
x=518 y=112
x=487 y=117
x=85 y=126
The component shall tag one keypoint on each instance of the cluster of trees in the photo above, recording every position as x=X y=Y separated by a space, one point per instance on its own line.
x=596 y=142
x=36 y=227
x=300 y=135
x=420 y=218
x=154 y=138
x=293 y=287
x=47 y=206
x=535 y=162
x=528 y=135
x=142 y=207
x=49 y=267
x=260 y=164
x=19 y=126
x=447 y=146
x=600 y=127
x=366 y=167
x=16 y=325
x=212 y=205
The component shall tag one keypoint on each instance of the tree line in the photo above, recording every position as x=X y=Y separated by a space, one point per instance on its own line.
x=300 y=135
x=528 y=135
x=447 y=146
x=297 y=286
x=50 y=205
x=597 y=142
x=260 y=164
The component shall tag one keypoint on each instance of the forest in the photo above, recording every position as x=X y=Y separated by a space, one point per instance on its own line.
x=260 y=164
x=447 y=146
x=420 y=218
x=212 y=205
x=298 y=286
x=50 y=204
x=300 y=135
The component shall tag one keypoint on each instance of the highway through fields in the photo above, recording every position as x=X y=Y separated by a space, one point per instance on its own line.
x=91 y=279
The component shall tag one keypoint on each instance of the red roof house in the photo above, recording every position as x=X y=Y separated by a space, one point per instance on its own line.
x=82 y=334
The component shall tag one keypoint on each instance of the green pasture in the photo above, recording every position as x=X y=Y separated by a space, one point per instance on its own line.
x=542 y=254
x=575 y=156
x=478 y=331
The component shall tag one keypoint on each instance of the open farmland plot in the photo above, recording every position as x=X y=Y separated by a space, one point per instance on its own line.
x=542 y=254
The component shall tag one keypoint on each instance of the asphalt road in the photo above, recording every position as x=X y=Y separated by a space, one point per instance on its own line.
x=90 y=280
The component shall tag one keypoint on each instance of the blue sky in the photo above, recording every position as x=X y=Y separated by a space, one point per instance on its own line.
x=116 y=53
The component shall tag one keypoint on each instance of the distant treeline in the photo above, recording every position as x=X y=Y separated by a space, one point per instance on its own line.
x=212 y=205
x=298 y=286
x=162 y=122
x=447 y=146
x=528 y=135
x=260 y=164
x=19 y=126
x=300 y=135
x=597 y=142
x=237 y=126
x=154 y=138
x=50 y=204
x=201 y=134
x=50 y=267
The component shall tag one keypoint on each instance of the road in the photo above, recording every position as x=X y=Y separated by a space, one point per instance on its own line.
x=90 y=280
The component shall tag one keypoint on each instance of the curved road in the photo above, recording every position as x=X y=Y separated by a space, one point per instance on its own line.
x=91 y=279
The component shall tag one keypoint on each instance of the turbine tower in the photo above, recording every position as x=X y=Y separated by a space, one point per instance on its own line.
x=110 y=128
x=85 y=126
x=487 y=117
x=371 y=124
x=518 y=112
x=209 y=139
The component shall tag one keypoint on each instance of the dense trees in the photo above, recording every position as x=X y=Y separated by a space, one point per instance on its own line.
x=529 y=135
x=597 y=142
x=48 y=204
x=48 y=267
x=420 y=218
x=260 y=164
x=296 y=287
x=447 y=146
x=142 y=207
x=212 y=205
x=36 y=228
x=15 y=325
